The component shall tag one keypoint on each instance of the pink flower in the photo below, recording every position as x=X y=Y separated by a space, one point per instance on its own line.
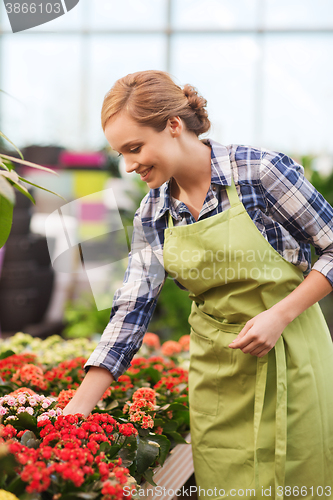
x=3 y=410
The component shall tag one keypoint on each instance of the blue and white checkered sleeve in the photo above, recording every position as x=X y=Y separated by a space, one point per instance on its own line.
x=133 y=303
x=299 y=207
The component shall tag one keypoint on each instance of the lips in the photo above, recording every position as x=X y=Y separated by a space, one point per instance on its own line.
x=144 y=174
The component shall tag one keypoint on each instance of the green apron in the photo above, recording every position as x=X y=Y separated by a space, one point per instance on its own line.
x=256 y=423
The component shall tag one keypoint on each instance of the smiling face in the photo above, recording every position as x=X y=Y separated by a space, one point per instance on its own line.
x=155 y=156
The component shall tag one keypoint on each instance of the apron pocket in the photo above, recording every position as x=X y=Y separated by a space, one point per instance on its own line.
x=204 y=366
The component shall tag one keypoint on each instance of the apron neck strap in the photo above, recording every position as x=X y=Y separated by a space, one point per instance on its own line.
x=232 y=193
x=170 y=221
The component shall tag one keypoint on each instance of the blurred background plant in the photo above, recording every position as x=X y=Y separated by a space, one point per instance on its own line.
x=10 y=179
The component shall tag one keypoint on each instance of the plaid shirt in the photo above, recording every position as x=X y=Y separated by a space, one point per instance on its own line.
x=284 y=206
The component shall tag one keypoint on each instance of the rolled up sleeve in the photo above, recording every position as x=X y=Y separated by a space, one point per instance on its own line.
x=133 y=304
x=295 y=203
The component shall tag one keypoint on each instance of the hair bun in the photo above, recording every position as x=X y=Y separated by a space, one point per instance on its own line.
x=198 y=104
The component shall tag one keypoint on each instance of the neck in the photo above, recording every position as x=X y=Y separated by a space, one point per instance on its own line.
x=195 y=174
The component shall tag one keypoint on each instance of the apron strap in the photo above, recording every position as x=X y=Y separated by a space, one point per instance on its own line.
x=259 y=396
x=170 y=220
x=232 y=193
x=280 y=414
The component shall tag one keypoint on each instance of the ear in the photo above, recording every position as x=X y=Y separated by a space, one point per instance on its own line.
x=175 y=125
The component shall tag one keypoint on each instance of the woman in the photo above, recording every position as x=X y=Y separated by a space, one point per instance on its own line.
x=233 y=226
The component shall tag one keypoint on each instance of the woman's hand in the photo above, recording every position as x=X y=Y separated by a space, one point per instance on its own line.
x=92 y=388
x=260 y=333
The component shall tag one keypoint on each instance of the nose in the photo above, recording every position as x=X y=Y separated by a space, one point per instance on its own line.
x=131 y=166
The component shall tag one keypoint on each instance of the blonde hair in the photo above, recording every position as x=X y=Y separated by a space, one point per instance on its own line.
x=151 y=98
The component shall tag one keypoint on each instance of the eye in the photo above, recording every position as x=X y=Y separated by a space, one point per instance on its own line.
x=135 y=150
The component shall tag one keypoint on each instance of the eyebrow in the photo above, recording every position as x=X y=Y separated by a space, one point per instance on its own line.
x=130 y=143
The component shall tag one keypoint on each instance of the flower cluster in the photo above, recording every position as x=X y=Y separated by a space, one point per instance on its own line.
x=15 y=403
x=70 y=449
x=67 y=375
x=152 y=340
x=171 y=347
x=50 y=351
x=61 y=454
x=30 y=374
x=141 y=410
x=10 y=365
x=173 y=382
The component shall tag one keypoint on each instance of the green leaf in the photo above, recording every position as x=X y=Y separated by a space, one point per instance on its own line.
x=128 y=451
x=164 y=443
x=159 y=422
x=27 y=163
x=3 y=165
x=169 y=425
x=26 y=421
x=6 y=354
x=114 y=404
x=6 y=189
x=11 y=175
x=7 y=464
x=10 y=142
x=26 y=436
x=6 y=219
x=114 y=450
x=182 y=399
x=17 y=486
x=177 y=437
x=104 y=447
x=41 y=187
x=148 y=451
x=148 y=475
x=24 y=191
x=5 y=389
x=177 y=406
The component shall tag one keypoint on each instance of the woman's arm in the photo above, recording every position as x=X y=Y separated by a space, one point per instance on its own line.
x=293 y=202
x=92 y=388
x=261 y=333
x=132 y=309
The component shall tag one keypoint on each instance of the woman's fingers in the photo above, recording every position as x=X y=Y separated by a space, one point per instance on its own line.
x=241 y=340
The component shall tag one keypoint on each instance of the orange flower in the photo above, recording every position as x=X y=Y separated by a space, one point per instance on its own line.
x=152 y=340
x=184 y=341
x=64 y=398
x=31 y=375
x=171 y=347
x=145 y=393
x=22 y=389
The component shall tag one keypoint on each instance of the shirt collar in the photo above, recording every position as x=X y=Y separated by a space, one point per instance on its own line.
x=220 y=174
